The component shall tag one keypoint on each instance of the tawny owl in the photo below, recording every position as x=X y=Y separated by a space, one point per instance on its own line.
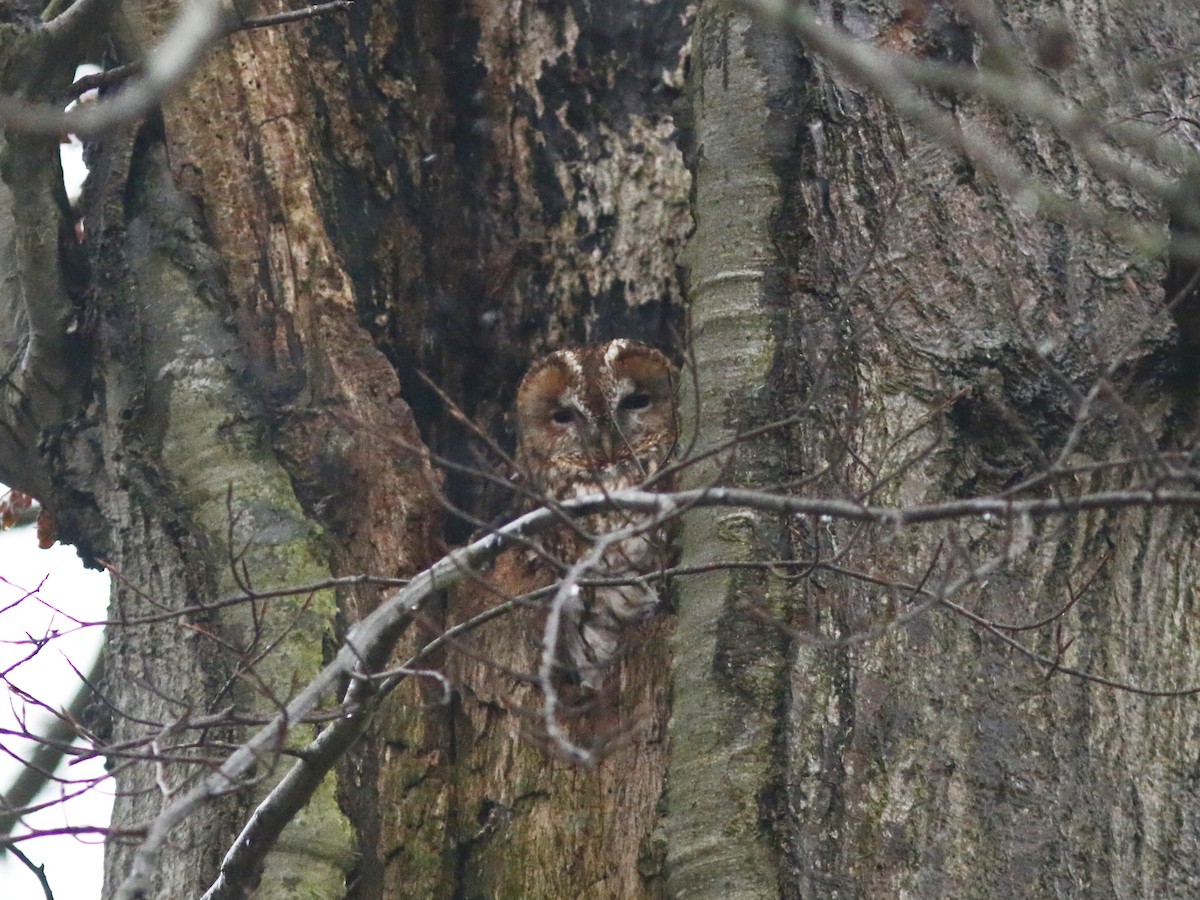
x=593 y=420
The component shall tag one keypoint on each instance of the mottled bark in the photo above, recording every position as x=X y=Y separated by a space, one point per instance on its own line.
x=331 y=208
x=394 y=187
x=194 y=498
x=41 y=364
x=234 y=367
x=728 y=668
x=537 y=196
x=930 y=333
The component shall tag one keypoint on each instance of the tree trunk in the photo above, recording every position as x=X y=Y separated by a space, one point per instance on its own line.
x=933 y=340
x=324 y=207
x=233 y=442
x=341 y=227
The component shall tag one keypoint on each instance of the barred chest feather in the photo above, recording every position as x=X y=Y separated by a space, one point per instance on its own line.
x=596 y=420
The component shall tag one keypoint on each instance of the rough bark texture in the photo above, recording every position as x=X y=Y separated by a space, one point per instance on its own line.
x=724 y=726
x=41 y=373
x=503 y=180
x=207 y=220
x=340 y=203
x=929 y=334
x=332 y=207
x=528 y=821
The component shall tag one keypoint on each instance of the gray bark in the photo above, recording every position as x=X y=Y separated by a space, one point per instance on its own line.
x=728 y=668
x=934 y=340
x=40 y=376
x=323 y=213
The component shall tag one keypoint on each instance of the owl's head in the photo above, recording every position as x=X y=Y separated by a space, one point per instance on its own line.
x=598 y=417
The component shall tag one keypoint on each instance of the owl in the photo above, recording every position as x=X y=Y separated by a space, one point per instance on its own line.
x=595 y=420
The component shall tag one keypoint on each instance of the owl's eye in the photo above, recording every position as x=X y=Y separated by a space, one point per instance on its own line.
x=636 y=400
x=564 y=415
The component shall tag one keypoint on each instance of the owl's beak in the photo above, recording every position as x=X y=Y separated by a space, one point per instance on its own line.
x=608 y=443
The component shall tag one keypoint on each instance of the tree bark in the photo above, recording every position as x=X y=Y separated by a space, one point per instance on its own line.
x=330 y=210
x=933 y=340
x=320 y=210
x=250 y=434
x=729 y=669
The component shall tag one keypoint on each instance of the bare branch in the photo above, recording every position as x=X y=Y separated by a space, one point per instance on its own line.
x=898 y=80
x=201 y=24
x=364 y=651
x=367 y=646
x=294 y=15
x=81 y=18
x=47 y=754
x=39 y=872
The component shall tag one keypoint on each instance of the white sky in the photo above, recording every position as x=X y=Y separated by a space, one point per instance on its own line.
x=74 y=170
x=73 y=866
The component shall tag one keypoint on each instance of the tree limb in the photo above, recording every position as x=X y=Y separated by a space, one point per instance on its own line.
x=201 y=24
x=48 y=752
x=369 y=643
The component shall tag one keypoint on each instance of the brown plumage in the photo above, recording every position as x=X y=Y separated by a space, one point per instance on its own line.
x=592 y=420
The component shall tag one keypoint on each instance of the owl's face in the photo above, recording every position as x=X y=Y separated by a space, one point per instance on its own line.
x=596 y=418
